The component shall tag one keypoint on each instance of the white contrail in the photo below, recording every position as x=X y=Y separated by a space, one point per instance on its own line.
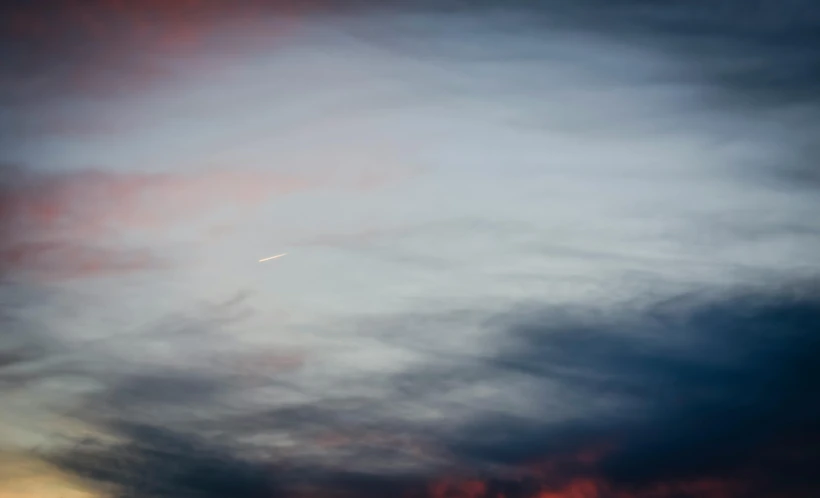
x=273 y=257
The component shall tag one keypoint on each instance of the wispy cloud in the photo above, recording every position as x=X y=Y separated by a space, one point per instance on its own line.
x=69 y=225
x=707 y=394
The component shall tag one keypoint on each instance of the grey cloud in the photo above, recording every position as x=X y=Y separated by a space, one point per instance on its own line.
x=156 y=462
x=717 y=385
x=709 y=386
x=714 y=389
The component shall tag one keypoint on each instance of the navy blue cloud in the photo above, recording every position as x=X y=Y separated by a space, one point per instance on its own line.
x=704 y=388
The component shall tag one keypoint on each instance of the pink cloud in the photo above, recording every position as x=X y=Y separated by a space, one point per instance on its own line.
x=71 y=224
x=90 y=201
x=62 y=260
x=131 y=39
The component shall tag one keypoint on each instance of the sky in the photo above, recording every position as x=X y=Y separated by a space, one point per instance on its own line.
x=533 y=249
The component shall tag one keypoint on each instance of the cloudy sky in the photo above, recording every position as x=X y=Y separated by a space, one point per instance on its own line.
x=559 y=249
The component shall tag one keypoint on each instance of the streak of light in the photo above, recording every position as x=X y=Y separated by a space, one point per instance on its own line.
x=272 y=257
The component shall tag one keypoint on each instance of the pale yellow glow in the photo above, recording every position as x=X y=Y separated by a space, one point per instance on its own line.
x=22 y=477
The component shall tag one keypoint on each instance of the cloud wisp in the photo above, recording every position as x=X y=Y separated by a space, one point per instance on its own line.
x=80 y=224
x=698 y=395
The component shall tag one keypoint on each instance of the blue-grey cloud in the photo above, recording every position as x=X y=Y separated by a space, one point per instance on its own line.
x=707 y=388
x=633 y=152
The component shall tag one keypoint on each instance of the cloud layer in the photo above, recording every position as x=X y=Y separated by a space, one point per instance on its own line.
x=599 y=281
x=58 y=226
x=698 y=395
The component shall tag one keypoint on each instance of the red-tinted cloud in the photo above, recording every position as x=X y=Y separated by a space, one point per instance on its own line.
x=464 y=489
x=74 y=224
x=90 y=202
x=60 y=260
x=582 y=488
x=577 y=476
x=103 y=47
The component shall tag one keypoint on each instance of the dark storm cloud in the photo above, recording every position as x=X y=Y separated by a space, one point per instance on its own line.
x=713 y=389
x=705 y=393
